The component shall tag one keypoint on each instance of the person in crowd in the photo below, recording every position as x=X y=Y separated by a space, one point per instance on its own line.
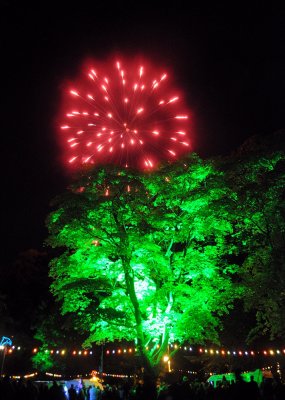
x=253 y=389
x=184 y=390
x=72 y=393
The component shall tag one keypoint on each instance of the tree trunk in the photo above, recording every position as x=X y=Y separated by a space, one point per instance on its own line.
x=149 y=370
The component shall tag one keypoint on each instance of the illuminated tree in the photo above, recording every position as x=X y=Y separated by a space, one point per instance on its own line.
x=43 y=360
x=145 y=256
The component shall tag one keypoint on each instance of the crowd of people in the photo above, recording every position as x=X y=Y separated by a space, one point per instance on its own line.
x=184 y=390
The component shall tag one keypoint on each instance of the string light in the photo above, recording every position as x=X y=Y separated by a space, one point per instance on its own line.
x=130 y=350
x=222 y=352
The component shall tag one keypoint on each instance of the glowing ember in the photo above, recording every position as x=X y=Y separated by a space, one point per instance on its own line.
x=126 y=118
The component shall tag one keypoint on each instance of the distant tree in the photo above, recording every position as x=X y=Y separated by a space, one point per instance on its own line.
x=256 y=174
x=43 y=360
x=145 y=256
x=55 y=330
x=25 y=287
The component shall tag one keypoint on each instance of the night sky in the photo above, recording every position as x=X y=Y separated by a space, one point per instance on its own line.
x=231 y=64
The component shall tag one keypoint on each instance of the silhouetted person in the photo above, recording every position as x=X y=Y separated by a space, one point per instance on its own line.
x=55 y=392
x=89 y=393
x=7 y=390
x=72 y=393
x=267 y=389
x=31 y=391
x=149 y=391
x=253 y=391
x=43 y=392
x=279 y=390
x=239 y=388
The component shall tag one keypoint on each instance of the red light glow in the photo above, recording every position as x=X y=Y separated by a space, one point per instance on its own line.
x=128 y=115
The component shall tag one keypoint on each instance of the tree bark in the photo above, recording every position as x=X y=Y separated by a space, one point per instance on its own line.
x=149 y=370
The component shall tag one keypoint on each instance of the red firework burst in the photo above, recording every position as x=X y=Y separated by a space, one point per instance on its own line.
x=129 y=117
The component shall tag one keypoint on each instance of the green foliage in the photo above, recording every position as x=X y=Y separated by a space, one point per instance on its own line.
x=145 y=256
x=42 y=360
x=257 y=176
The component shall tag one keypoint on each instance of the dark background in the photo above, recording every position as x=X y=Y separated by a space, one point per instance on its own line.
x=230 y=62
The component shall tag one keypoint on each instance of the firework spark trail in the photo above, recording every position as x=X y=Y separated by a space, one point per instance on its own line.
x=128 y=119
